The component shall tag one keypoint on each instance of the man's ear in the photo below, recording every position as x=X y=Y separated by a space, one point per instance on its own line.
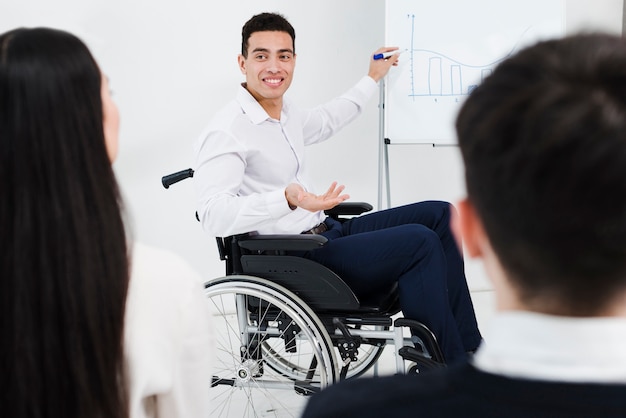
x=242 y=63
x=470 y=228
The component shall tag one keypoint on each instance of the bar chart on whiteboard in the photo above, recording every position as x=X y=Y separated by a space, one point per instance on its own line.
x=451 y=46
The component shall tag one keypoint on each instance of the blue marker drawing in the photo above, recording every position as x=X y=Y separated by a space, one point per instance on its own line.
x=452 y=46
x=445 y=76
x=441 y=75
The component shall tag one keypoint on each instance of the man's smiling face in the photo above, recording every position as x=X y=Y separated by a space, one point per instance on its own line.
x=269 y=66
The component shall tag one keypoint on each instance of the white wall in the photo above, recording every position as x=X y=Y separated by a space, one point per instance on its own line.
x=173 y=64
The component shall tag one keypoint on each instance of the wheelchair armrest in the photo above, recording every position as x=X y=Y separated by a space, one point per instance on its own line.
x=300 y=242
x=348 y=208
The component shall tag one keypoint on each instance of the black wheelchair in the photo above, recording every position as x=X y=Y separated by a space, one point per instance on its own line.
x=287 y=325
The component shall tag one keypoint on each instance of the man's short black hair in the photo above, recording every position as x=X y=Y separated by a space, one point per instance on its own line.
x=544 y=145
x=265 y=22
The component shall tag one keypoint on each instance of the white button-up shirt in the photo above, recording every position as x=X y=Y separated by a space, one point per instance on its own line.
x=544 y=347
x=245 y=160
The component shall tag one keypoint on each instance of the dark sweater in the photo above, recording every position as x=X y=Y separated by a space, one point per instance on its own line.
x=464 y=391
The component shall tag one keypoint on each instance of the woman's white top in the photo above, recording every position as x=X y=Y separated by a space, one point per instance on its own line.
x=168 y=339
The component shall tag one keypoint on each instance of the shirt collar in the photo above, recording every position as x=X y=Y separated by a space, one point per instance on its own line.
x=536 y=346
x=254 y=110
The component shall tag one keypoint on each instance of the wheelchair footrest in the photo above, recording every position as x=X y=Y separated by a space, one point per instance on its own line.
x=422 y=363
x=423 y=333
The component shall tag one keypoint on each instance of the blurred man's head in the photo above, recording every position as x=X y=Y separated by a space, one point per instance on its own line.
x=544 y=145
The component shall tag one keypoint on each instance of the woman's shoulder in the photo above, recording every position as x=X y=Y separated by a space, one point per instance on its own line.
x=161 y=267
x=162 y=284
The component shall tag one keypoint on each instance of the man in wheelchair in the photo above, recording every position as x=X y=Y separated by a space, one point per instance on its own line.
x=249 y=178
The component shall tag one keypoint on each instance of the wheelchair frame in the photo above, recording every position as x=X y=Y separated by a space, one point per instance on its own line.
x=285 y=316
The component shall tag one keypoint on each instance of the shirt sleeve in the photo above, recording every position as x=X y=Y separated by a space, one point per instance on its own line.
x=324 y=121
x=220 y=168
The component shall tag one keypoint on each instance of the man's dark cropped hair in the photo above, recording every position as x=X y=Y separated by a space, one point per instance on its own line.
x=544 y=148
x=265 y=22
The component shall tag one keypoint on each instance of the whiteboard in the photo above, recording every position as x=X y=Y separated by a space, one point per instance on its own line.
x=449 y=47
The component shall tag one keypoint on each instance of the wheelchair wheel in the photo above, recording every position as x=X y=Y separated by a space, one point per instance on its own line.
x=258 y=324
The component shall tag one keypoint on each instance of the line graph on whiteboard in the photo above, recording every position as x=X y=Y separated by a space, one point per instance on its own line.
x=435 y=74
x=452 y=46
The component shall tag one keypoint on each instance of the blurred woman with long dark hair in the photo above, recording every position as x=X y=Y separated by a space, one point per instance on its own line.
x=70 y=344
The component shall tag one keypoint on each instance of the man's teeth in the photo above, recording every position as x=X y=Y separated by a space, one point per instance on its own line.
x=273 y=80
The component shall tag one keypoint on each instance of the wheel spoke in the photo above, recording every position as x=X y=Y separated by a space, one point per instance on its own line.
x=252 y=351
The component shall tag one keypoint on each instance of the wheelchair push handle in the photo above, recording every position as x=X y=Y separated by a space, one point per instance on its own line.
x=173 y=178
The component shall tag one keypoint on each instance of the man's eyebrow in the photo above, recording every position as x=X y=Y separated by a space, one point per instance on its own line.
x=280 y=51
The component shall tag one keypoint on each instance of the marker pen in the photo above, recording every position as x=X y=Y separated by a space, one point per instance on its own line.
x=386 y=55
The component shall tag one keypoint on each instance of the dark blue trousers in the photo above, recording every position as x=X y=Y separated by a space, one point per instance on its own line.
x=413 y=245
